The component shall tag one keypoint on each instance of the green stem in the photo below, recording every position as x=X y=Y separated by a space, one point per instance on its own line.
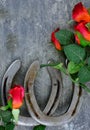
x=85 y=87
x=74 y=81
x=71 y=21
x=58 y=66
x=46 y=65
x=39 y=127
x=61 y=68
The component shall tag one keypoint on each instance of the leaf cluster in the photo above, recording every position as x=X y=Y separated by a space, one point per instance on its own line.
x=77 y=56
x=6 y=120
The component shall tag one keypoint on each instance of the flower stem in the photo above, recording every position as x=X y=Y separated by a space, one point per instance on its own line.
x=64 y=70
x=46 y=65
x=85 y=87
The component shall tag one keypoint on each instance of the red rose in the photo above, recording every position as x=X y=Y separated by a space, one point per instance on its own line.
x=80 y=13
x=83 y=30
x=17 y=95
x=55 y=40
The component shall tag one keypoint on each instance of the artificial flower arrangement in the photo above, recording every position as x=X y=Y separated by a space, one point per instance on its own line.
x=75 y=45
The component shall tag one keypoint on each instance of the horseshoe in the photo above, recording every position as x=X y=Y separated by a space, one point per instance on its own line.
x=56 y=91
x=41 y=117
x=54 y=98
x=7 y=79
x=6 y=85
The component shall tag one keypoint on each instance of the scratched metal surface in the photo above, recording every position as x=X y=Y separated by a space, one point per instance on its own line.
x=25 y=28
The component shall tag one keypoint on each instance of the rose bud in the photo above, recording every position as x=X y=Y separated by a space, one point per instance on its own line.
x=55 y=40
x=16 y=94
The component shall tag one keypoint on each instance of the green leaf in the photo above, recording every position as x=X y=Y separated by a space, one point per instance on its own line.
x=73 y=68
x=5 y=115
x=4 y=108
x=65 y=37
x=15 y=113
x=83 y=41
x=87 y=52
x=10 y=126
x=2 y=127
x=88 y=61
x=74 y=53
x=84 y=74
x=39 y=127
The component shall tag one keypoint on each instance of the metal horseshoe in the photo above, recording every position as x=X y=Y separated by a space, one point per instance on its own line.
x=42 y=117
x=7 y=79
x=6 y=85
x=56 y=84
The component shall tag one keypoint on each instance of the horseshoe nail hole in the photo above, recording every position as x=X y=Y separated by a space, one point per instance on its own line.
x=55 y=84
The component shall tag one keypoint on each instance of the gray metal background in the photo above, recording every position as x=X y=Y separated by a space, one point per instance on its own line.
x=25 y=28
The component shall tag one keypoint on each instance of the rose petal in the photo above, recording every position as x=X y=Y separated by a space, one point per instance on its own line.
x=77 y=39
x=80 y=13
x=55 y=40
x=83 y=30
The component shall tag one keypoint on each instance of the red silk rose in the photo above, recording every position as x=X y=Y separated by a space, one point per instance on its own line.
x=55 y=40
x=80 y=13
x=16 y=95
